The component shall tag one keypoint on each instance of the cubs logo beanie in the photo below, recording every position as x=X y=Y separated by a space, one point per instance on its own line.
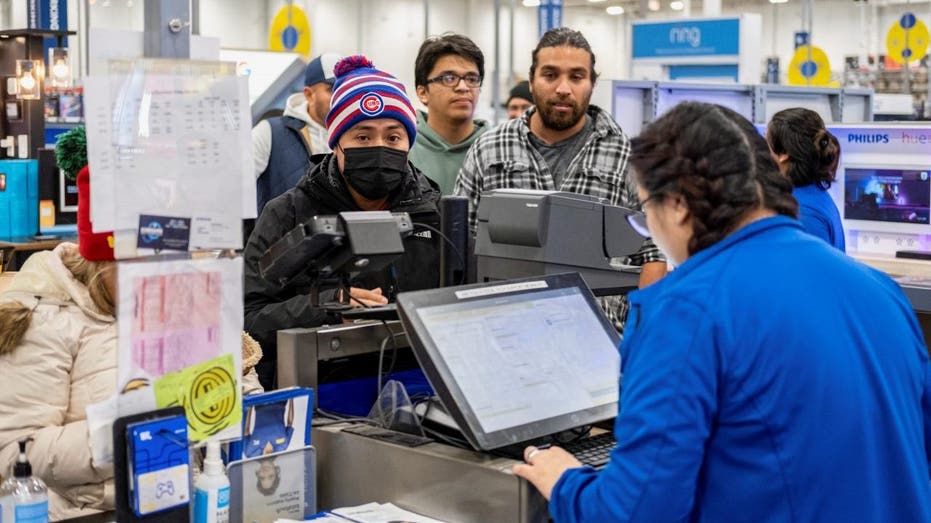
x=362 y=92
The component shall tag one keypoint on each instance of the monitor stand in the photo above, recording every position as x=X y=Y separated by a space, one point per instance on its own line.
x=434 y=417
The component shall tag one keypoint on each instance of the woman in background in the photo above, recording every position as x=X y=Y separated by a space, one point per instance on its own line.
x=808 y=154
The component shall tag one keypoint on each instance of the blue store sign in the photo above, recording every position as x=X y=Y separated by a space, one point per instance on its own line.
x=48 y=14
x=549 y=16
x=687 y=38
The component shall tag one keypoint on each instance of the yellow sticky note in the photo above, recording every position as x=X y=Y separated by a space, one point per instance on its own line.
x=209 y=393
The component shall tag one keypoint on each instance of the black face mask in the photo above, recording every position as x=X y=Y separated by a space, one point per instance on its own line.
x=374 y=172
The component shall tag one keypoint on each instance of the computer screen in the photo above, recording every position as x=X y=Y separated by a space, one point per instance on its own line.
x=517 y=360
x=887 y=195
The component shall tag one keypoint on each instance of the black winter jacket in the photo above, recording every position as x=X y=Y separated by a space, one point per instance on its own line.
x=322 y=191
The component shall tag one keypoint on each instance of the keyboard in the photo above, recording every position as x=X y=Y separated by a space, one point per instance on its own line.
x=593 y=451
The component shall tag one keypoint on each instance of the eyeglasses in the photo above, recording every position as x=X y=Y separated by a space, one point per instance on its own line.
x=452 y=80
x=638 y=220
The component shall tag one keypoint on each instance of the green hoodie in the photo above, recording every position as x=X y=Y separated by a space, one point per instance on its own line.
x=436 y=158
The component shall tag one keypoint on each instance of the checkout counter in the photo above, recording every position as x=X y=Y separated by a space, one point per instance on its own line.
x=431 y=477
x=435 y=479
x=914 y=277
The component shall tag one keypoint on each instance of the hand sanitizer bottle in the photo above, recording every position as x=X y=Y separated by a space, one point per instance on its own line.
x=212 y=489
x=23 y=498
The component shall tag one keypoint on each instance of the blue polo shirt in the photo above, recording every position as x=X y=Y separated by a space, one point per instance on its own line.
x=768 y=378
x=819 y=215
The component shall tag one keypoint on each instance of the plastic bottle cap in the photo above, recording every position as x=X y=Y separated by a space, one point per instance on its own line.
x=213 y=465
x=22 y=469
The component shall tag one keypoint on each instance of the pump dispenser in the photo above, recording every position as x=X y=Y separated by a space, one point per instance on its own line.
x=212 y=489
x=23 y=498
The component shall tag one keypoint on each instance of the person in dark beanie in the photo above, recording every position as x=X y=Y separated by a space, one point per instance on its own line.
x=519 y=100
x=371 y=127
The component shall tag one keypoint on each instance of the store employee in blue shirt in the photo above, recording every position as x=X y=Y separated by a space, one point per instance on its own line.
x=769 y=377
x=808 y=154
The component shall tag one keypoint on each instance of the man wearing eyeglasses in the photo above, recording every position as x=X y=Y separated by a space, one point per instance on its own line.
x=448 y=74
x=563 y=143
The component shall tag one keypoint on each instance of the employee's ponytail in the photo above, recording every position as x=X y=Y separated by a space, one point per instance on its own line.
x=15 y=319
x=812 y=150
x=828 y=149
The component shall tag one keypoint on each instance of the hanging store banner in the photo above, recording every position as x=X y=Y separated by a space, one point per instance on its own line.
x=48 y=14
x=549 y=16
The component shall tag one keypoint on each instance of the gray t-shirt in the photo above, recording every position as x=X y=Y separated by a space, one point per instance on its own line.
x=559 y=155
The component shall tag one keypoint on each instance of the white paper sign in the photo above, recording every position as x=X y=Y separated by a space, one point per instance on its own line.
x=171 y=138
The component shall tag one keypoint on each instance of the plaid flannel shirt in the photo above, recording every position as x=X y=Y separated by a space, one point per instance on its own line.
x=504 y=158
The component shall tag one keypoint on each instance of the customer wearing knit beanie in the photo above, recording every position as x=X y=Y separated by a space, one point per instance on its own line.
x=371 y=127
x=362 y=92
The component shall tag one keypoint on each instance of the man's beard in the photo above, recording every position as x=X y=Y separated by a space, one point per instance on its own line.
x=559 y=121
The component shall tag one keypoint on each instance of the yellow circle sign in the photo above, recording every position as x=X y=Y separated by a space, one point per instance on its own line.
x=210 y=399
x=907 y=39
x=290 y=31
x=809 y=68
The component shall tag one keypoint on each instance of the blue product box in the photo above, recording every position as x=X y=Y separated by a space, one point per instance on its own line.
x=19 y=198
x=275 y=421
x=355 y=397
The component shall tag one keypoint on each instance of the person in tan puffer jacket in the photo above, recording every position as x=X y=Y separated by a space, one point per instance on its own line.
x=58 y=355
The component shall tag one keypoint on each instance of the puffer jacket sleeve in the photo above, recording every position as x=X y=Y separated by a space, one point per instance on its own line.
x=59 y=452
x=68 y=448
x=61 y=456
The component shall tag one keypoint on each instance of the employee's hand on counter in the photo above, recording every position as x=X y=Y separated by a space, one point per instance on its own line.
x=544 y=467
x=371 y=298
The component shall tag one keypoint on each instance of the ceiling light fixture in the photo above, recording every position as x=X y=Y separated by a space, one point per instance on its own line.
x=779 y=1
x=531 y=3
x=653 y=5
x=614 y=10
x=677 y=5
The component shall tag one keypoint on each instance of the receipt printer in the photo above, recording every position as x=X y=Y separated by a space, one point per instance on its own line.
x=522 y=233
